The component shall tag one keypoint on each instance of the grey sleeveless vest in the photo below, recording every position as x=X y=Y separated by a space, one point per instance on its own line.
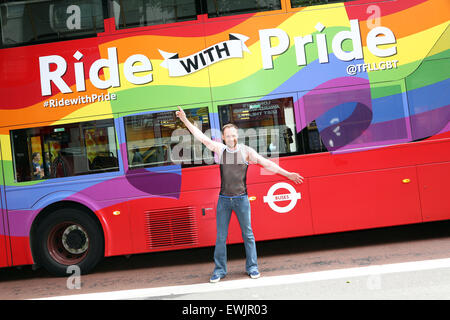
x=233 y=172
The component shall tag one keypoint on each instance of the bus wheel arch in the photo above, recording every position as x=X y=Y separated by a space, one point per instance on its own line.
x=64 y=234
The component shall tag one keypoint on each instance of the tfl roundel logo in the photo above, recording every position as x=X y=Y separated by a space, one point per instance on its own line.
x=292 y=195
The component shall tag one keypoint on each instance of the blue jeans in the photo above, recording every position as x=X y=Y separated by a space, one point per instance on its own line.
x=241 y=206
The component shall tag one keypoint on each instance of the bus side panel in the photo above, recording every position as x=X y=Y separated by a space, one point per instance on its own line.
x=4 y=230
x=115 y=220
x=4 y=239
x=363 y=200
x=3 y=255
x=273 y=218
x=434 y=190
x=169 y=224
x=176 y=221
x=20 y=247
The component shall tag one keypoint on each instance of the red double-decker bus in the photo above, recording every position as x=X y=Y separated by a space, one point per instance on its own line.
x=353 y=95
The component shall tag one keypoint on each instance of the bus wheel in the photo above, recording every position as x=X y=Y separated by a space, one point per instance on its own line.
x=68 y=237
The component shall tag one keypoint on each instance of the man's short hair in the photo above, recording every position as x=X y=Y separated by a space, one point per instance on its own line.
x=229 y=125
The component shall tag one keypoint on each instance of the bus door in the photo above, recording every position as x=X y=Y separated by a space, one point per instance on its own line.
x=4 y=237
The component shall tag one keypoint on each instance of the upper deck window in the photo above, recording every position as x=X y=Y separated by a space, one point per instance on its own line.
x=217 y=8
x=138 y=13
x=28 y=22
x=41 y=21
x=305 y=3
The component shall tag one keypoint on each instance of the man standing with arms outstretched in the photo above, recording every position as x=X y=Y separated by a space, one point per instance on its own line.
x=234 y=159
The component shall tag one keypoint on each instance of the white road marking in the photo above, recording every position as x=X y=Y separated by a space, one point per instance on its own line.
x=261 y=282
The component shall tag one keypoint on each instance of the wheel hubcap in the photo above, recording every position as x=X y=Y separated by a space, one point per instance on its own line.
x=75 y=239
x=68 y=243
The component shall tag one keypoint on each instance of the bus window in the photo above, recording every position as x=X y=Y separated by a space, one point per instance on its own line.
x=161 y=139
x=64 y=150
x=26 y=22
x=268 y=126
x=136 y=13
x=37 y=161
x=312 y=142
x=217 y=8
x=305 y=3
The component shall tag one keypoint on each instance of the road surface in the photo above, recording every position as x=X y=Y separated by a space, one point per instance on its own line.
x=407 y=262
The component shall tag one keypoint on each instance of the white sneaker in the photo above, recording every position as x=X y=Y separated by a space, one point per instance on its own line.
x=214 y=278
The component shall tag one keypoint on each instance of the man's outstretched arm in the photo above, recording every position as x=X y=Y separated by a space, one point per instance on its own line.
x=197 y=133
x=255 y=157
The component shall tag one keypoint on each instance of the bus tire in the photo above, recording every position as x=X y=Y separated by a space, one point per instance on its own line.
x=68 y=237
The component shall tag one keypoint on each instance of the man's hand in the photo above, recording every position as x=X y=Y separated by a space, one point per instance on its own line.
x=180 y=114
x=295 y=177
x=198 y=134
